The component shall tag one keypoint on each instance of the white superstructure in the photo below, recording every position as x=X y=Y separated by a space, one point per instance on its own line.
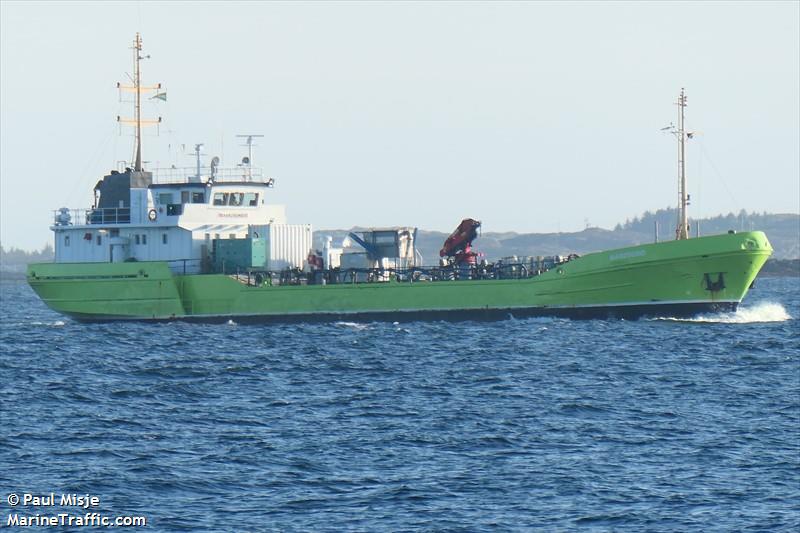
x=177 y=220
x=176 y=214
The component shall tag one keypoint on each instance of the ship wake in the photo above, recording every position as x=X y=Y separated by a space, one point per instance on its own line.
x=758 y=313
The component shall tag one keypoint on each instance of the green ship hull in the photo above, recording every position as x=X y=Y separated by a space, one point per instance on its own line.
x=674 y=278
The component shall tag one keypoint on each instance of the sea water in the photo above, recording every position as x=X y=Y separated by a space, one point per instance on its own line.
x=531 y=424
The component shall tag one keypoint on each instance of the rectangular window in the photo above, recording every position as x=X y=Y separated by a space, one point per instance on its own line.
x=251 y=199
x=236 y=199
x=165 y=198
x=164 y=238
x=138 y=240
x=66 y=240
x=115 y=233
x=185 y=197
x=220 y=198
x=144 y=239
x=198 y=198
x=174 y=209
x=99 y=240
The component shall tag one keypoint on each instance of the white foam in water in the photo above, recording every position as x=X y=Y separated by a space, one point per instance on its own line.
x=231 y=323
x=760 y=312
x=354 y=325
x=56 y=324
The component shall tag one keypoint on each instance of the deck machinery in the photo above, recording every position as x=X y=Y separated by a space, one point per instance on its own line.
x=458 y=246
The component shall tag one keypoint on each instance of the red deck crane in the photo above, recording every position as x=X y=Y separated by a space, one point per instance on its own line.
x=459 y=244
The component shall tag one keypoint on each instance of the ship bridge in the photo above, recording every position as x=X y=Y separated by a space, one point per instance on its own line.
x=128 y=196
x=165 y=214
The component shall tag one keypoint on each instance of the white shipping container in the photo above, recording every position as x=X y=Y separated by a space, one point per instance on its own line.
x=289 y=244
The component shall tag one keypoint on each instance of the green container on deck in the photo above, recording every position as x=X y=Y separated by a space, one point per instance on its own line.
x=231 y=255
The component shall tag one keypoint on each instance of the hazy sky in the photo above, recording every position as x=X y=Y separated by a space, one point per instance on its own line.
x=531 y=117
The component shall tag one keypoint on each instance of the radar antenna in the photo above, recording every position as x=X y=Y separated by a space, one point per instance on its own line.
x=198 y=152
x=247 y=162
x=214 y=166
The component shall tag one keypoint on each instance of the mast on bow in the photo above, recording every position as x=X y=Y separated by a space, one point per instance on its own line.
x=682 y=229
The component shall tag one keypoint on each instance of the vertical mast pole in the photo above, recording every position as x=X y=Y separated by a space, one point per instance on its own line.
x=682 y=231
x=137 y=49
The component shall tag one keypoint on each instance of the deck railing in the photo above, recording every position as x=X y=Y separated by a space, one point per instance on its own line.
x=255 y=277
x=221 y=175
x=106 y=215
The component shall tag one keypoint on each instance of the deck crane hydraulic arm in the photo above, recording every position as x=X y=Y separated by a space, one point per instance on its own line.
x=458 y=245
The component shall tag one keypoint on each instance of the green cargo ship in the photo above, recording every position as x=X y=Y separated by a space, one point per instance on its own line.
x=676 y=278
x=204 y=244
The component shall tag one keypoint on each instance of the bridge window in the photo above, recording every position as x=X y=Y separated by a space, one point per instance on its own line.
x=235 y=199
x=165 y=197
x=185 y=197
x=198 y=198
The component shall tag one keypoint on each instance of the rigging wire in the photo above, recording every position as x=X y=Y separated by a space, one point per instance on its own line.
x=704 y=153
x=87 y=179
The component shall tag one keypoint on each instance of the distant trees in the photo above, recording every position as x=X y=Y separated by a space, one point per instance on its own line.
x=667 y=219
x=15 y=256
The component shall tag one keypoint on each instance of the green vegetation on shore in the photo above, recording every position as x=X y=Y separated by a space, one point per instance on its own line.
x=15 y=260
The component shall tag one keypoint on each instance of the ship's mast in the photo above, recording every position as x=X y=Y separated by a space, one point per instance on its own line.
x=137 y=55
x=682 y=231
x=137 y=121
